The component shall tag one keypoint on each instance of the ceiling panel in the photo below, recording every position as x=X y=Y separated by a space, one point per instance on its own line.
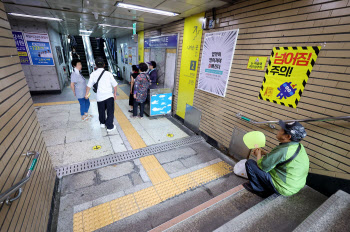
x=41 y=3
x=77 y=14
x=175 y=6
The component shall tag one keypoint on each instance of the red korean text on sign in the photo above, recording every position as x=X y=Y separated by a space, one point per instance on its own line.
x=298 y=59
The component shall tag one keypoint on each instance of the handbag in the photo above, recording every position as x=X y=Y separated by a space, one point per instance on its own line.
x=95 y=86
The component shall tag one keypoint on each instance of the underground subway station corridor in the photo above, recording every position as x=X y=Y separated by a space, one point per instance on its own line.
x=175 y=115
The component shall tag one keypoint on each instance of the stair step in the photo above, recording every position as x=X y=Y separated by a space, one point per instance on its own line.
x=213 y=213
x=332 y=215
x=277 y=213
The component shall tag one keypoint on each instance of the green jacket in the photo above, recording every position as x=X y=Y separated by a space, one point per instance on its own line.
x=288 y=179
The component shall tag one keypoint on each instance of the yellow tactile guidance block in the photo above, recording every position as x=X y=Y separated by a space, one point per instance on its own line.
x=150 y=163
x=97 y=217
x=158 y=176
x=123 y=207
x=147 y=197
x=167 y=189
x=131 y=134
x=121 y=94
x=107 y=213
x=185 y=183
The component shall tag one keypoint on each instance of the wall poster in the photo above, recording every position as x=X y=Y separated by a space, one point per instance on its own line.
x=217 y=56
x=39 y=48
x=287 y=74
x=21 y=47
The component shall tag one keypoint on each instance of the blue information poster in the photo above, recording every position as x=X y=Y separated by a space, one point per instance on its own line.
x=21 y=47
x=161 y=104
x=39 y=48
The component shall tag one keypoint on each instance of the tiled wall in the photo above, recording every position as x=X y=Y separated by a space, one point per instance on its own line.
x=267 y=24
x=20 y=132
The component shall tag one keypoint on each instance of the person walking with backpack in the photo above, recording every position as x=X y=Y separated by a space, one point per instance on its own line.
x=105 y=87
x=284 y=169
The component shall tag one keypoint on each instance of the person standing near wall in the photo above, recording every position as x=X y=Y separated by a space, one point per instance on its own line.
x=153 y=73
x=106 y=93
x=78 y=86
x=135 y=73
x=141 y=87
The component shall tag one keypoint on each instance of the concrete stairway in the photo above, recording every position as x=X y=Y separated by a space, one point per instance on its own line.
x=241 y=211
x=332 y=215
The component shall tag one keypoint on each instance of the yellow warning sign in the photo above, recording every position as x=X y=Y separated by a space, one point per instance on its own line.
x=97 y=147
x=170 y=135
x=287 y=73
x=257 y=62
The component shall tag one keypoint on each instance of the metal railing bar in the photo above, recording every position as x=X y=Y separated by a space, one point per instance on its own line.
x=270 y=123
x=17 y=187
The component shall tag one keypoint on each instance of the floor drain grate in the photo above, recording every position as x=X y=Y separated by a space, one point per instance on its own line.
x=124 y=156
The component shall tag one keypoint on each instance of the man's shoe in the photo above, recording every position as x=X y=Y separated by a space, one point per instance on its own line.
x=249 y=188
x=114 y=127
x=102 y=125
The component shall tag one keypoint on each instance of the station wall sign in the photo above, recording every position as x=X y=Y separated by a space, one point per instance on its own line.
x=287 y=74
x=21 y=47
x=257 y=62
x=165 y=41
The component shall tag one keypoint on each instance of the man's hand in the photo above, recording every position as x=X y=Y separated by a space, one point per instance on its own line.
x=115 y=97
x=257 y=151
x=86 y=96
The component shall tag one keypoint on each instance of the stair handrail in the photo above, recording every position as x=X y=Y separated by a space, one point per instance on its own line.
x=6 y=196
x=271 y=123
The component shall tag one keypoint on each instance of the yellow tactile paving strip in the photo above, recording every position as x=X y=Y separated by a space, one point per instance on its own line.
x=115 y=210
x=131 y=134
x=121 y=94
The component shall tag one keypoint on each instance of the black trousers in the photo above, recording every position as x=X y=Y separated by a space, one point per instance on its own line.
x=142 y=108
x=108 y=105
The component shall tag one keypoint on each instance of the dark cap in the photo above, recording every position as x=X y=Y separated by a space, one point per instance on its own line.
x=153 y=63
x=294 y=129
x=99 y=61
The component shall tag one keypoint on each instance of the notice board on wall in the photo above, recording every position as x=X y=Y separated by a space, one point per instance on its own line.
x=217 y=56
x=287 y=73
x=39 y=48
x=21 y=47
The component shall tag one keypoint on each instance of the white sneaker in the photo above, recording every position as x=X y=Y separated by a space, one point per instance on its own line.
x=102 y=125
x=114 y=127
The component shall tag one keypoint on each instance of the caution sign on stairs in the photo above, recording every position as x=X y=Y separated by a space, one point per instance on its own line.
x=287 y=73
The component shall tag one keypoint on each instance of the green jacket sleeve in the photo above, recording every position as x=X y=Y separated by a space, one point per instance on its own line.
x=269 y=161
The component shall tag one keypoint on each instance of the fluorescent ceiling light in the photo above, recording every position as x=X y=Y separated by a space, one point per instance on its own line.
x=145 y=9
x=85 y=31
x=107 y=25
x=34 y=17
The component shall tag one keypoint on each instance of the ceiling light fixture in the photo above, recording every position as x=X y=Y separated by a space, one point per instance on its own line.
x=145 y=9
x=35 y=17
x=85 y=31
x=107 y=25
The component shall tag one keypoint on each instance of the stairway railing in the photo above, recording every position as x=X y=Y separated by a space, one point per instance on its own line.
x=6 y=196
x=271 y=123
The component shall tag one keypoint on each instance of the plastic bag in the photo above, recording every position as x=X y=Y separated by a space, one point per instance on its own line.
x=239 y=169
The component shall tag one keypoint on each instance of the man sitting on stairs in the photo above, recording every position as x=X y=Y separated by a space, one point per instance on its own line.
x=284 y=169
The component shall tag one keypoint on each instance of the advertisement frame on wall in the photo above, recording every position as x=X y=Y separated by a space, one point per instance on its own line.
x=32 y=38
x=22 y=49
x=216 y=61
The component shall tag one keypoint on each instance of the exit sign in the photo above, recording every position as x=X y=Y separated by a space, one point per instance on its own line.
x=134 y=28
